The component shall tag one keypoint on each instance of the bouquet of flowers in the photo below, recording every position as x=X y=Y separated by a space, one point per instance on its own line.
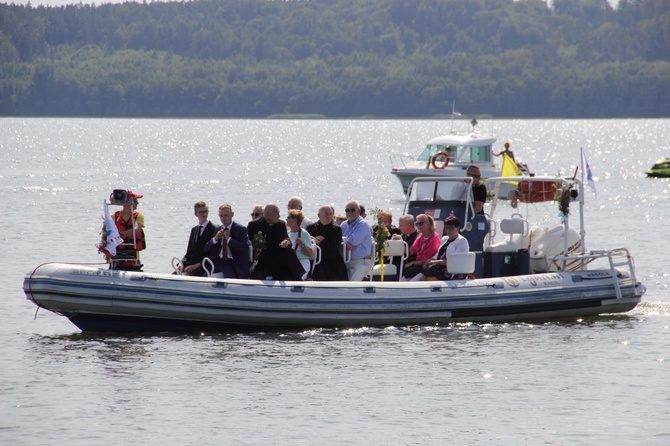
x=258 y=243
x=381 y=236
x=563 y=198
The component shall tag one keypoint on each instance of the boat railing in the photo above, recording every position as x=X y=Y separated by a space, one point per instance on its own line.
x=398 y=161
x=208 y=266
x=315 y=258
x=613 y=257
x=177 y=266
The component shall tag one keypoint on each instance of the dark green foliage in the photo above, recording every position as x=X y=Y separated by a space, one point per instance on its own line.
x=337 y=58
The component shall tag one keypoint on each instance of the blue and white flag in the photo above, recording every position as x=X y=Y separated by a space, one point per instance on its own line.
x=112 y=236
x=586 y=170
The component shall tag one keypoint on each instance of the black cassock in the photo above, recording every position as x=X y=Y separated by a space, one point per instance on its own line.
x=332 y=265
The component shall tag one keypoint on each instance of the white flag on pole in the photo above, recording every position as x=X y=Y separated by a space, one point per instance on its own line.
x=586 y=171
x=112 y=234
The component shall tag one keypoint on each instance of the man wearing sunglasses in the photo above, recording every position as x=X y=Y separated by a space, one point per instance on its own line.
x=358 y=236
x=191 y=263
x=478 y=189
x=256 y=212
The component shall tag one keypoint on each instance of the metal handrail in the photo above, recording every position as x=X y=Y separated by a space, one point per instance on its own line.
x=610 y=254
x=208 y=266
x=177 y=266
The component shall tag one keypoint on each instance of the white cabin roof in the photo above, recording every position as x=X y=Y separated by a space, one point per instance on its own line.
x=460 y=139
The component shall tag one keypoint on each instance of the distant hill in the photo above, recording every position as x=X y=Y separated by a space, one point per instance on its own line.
x=337 y=58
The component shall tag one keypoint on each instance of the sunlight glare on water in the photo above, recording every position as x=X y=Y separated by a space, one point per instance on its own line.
x=593 y=381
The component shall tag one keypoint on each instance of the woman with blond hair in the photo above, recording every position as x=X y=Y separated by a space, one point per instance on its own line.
x=424 y=247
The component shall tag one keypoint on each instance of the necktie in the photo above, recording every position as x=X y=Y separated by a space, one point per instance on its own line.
x=224 y=247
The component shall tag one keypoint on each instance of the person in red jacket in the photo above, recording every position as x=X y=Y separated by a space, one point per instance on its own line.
x=130 y=224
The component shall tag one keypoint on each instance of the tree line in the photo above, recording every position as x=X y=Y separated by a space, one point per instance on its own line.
x=337 y=58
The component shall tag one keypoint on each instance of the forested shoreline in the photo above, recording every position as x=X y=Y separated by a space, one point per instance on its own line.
x=337 y=59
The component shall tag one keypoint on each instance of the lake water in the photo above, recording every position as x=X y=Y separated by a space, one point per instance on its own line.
x=599 y=381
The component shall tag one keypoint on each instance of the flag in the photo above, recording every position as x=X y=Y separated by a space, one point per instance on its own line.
x=509 y=169
x=453 y=109
x=586 y=171
x=112 y=237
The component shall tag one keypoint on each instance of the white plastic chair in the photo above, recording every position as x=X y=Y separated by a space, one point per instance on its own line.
x=439 y=227
x=461 y=262
x=393 y=248
x=510 y=226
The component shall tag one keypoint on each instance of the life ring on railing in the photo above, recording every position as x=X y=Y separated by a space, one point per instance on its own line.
x=433 y=161
x=536 y=191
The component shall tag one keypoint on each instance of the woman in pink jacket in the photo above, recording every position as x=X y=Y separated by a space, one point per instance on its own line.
x=424 y=247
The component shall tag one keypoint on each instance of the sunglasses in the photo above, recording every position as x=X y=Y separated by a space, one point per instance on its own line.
x=475 y=176
x=350 y=210
x=449 y=228
x=420 y=223
x=203 y=212
x=256 y=214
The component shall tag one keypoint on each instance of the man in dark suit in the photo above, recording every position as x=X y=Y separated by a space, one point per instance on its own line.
x=230 y=246
x=191 y=263
x=273 y=260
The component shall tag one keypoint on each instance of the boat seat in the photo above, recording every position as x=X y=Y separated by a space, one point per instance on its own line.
x=394 y=248
x=439 y=227
x=510 y=226
x=461 y=262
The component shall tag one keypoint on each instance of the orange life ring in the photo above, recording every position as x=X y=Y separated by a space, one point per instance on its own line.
x=443 y=165
x=536 y=191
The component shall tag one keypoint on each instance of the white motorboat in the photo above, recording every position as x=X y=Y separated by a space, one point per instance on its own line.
x=535 y=273
x=449 y=156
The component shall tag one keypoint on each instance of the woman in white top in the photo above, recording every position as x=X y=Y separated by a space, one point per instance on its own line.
x=437 y=268
x=300 y=239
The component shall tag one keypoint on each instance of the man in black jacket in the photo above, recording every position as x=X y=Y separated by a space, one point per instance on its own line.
x=191 y=263
x=273 y=260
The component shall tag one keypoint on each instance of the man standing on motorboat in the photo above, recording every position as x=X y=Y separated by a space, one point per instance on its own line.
x=478 y=189
x=507 y=152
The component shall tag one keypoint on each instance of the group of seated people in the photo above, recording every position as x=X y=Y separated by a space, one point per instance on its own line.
x=269 y=247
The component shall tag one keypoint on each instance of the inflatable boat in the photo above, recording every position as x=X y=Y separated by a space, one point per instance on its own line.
x=531 y=273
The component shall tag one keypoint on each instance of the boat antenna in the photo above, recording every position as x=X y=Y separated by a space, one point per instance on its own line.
x=454 y=113
x=116 y=154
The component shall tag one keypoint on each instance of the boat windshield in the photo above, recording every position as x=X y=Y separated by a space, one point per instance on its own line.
x=440 y=191
x=458 y=154
x=442 y=197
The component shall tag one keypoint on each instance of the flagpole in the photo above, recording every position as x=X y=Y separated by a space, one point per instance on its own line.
x=581 y=203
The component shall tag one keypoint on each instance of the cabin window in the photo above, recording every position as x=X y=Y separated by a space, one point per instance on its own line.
x=432 y=149
x=460 y=154
x=475 y=154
